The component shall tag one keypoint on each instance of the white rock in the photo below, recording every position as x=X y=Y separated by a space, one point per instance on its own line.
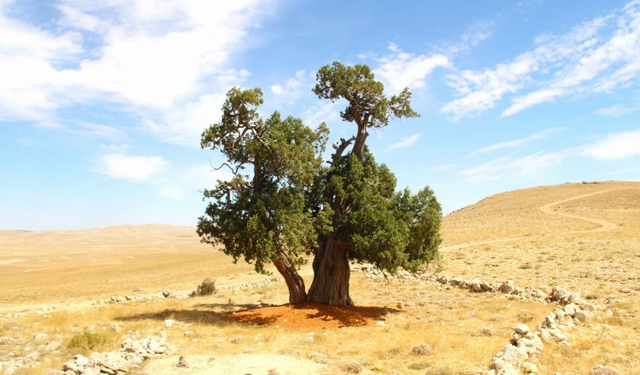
x=529 y=368
x=559 y=336
x=521 y=329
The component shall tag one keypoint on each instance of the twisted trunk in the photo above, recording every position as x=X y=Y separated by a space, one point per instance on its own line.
x=295 y=283
x=331 y=273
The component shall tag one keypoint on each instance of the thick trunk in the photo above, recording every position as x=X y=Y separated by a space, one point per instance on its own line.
x=295 y=283
x=331 y=274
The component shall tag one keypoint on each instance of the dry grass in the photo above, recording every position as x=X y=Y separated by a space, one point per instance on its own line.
x=501 y=237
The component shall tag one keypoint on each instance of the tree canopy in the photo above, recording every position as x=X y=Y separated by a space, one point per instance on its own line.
x=283 y=204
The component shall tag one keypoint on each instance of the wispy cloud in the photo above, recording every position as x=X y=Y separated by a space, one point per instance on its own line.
x=617 y=110
x=401 y=69
x=406 y=142
x=589 y=59
x=325 y=111
x=506 y=165
x=517 y=142
x=291 y=86
x=616 y=146
x=132 y=168
x=43 y=71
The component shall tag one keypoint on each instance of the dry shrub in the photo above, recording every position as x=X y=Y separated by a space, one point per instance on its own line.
x=207 y=288
x=349 y=365
x=440 y=371
x=88 y=341
x=525 y=316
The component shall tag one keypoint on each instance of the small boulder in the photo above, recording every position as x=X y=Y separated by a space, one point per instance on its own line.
x=422 y=349
x=521 y=329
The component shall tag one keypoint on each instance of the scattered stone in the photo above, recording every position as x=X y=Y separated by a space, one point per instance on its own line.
x=422 y=349
x=236 y=339
x=167 y=293
x=604 y=370
x=486 y=331
x=182 y=362
x=6 y=340
x=116 y=327
x=169 y=323
x=521 y=329
x=475 y=286
x=40 y=337
x=318 y=357
x=380 y=323
x=529 y=368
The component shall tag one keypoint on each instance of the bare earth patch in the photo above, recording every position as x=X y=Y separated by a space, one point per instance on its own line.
x=310 y=316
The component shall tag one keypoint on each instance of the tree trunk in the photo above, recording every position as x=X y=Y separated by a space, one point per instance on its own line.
x=331 y=273
x=295 y=283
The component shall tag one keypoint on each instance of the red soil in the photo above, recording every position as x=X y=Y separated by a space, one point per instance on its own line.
x=310 y=316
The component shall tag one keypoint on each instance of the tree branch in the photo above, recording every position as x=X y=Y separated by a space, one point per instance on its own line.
x=341 y=147
x=235 y=172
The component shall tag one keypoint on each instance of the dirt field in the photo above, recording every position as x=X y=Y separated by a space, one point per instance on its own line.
x=584 y=237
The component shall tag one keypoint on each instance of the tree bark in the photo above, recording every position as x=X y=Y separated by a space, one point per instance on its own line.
x=331 y=273
x=295 y=283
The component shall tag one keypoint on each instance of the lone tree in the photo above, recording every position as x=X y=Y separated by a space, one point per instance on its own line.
x=290 y=205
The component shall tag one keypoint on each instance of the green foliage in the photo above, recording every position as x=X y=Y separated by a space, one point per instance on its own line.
x=258 y=216
x=386 y=228
x=282 y=199
x=367 y=104
x=87 y=341
x=206 y=288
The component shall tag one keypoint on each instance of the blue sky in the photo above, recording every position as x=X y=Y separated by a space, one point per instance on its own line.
x=102 y=102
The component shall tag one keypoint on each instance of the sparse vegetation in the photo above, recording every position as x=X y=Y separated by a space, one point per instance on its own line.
x=88 y=341
x=206 y=288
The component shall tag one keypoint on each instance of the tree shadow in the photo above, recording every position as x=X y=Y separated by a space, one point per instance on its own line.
x=349 y=316
x=311 y=315
x=304 y=315
x=206 y=314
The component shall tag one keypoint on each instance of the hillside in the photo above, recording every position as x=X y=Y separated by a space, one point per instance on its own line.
x=581 y=237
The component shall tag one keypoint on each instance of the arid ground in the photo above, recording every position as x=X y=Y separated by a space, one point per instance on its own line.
x=584 y=237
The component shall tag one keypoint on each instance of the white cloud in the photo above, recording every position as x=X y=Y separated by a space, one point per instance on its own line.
x=172 y=191
x=616 y=110
x=586 y=60
x=478 y=32
x=401 y=69
x=132 y=168
x=290 y=86
x=532 y=99
x=152 y=58
x=615 y=146
x=506 y=165
x=517 y=142
x=406 y=142
x=325 y=111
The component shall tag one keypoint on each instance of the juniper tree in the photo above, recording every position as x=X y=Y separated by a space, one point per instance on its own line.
x=359 y=216
x=260 y=213
x=288 y=205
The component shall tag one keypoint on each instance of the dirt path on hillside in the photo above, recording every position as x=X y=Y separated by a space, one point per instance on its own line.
x=605 y=226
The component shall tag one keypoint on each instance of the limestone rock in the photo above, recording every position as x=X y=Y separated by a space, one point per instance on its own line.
x=521 y=329
x=422 y=349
